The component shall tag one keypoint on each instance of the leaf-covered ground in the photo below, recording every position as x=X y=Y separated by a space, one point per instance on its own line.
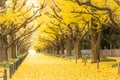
x=1 y=72
x=43 y=67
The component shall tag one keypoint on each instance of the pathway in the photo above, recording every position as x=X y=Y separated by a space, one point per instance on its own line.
x=43 y=67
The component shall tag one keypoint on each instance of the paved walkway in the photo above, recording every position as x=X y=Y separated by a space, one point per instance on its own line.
x=43 y=67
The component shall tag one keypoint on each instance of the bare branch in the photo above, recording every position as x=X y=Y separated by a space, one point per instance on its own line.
x=23 y=35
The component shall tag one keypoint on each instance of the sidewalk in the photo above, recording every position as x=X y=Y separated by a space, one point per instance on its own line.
x=39 y=67
x=43 y=67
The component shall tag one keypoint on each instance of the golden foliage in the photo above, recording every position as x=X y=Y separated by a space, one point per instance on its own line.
x=43 y=67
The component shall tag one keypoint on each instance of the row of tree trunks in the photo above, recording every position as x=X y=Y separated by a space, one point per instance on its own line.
x=5 y=51
x=95 y=45
x=77 y=47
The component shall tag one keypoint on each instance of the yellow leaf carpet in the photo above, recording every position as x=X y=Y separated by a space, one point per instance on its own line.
x=44 y=67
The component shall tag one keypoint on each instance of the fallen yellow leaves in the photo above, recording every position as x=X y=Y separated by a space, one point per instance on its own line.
x=2 y=72
x=43 y=67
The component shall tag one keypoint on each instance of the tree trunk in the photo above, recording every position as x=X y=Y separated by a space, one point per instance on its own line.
x=3 y=49
x=14 y=51
x=95 y=45
x=0 y=50
x=50 y=51
x=12 y=48
x=62 y=47
x=57 y=49
x=18 y=50
x=68 y=46
x=77 y=47
x=53 y=49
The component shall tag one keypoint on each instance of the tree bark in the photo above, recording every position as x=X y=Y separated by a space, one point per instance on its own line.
x=77 y=46
x=68 y=46
x=62 y=47
x=95 y=45
x=53 y=49
x=3 y=52
x=12 y=48
x=57 y=49
x=0 y=50
x=18 y=50
x=14 y=51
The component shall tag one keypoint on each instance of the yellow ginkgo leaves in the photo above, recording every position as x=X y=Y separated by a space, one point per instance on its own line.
x=43 y=67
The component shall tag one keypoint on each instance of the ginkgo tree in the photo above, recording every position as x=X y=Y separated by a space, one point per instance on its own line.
x=16 y=17
x=76 y=24
x=103 y=13
x=87 y=17
x=65 y=23
x=68 y=28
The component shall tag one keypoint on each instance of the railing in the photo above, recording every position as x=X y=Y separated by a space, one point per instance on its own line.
x=4 y=77
x=12 y=68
